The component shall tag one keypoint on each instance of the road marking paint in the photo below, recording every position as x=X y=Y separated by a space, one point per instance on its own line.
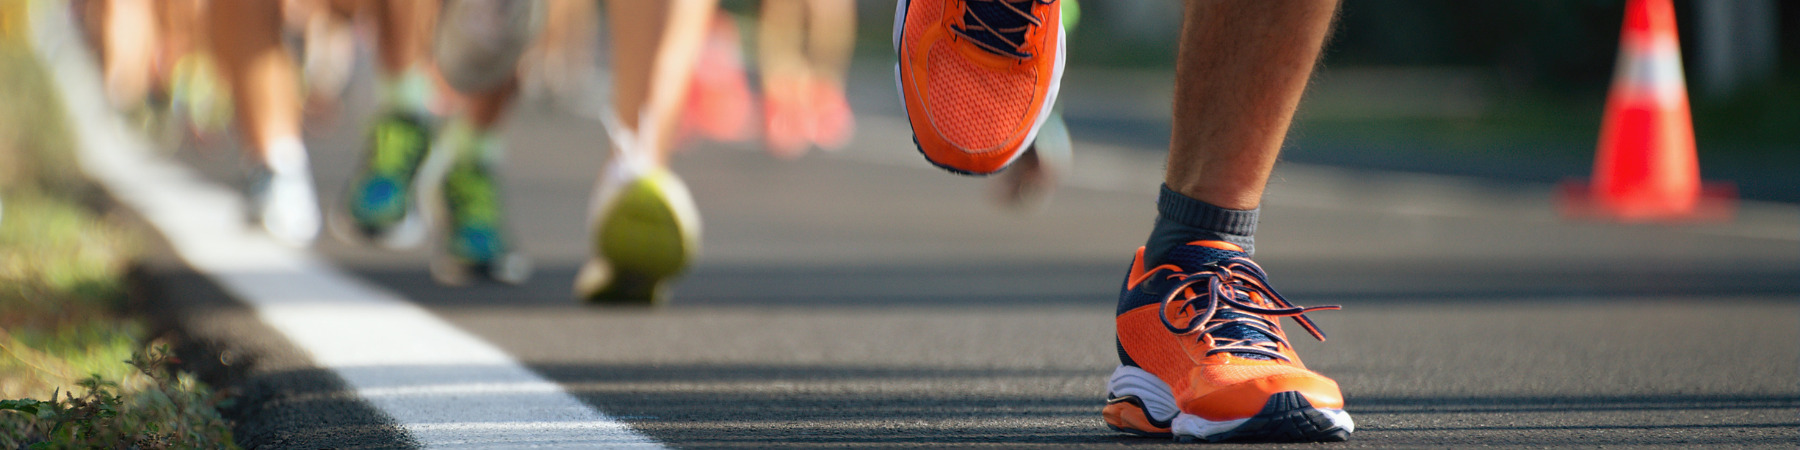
x=394 y=354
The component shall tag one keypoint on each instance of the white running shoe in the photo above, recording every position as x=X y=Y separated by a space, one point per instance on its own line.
x=282 y=198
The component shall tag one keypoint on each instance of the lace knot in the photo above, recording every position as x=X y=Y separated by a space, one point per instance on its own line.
x=1237 y=297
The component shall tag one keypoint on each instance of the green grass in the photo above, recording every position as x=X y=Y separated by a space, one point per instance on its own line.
x=77 y=371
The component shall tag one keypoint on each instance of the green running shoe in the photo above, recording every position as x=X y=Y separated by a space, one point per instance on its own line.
x=381 y=205
x=475 y=243
x=645 y=231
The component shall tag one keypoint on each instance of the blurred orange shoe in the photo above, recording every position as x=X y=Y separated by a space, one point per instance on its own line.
x=718 y=102
x=1201 y=356
x=978 y=77
x=832 y=121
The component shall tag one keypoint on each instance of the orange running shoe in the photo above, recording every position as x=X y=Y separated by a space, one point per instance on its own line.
x=1201 y=356
x=977 y=77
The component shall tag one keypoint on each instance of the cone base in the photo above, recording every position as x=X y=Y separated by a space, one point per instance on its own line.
x=1577 y=200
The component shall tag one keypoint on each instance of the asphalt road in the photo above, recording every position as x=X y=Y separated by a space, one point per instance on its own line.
x=863 y=298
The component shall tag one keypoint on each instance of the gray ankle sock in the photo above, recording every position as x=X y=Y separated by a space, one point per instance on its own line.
x=1181 y=219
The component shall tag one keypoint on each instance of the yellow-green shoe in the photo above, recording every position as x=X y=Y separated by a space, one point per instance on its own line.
x=645 y=231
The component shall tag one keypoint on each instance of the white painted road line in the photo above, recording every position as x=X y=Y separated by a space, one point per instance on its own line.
x=443 y=386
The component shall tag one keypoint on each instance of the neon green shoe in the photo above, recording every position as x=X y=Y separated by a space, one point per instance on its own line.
x=381 y=204
x=475 y=243
x=646 y=231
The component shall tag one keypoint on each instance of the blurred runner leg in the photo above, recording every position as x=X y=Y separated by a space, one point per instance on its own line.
x=382 y=203
x=804 y=50
x=1202 y=354
x=560 y=64
x=197 y=91
x=150 y=60
x=781 y=57
x=642 y=218
x=328 y=51
x=246 y=37
x=830 y=42
x=478 y=47
x=124 y=34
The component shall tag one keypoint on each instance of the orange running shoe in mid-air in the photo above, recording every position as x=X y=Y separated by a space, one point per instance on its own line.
x=1201 y=356
x=977 y=77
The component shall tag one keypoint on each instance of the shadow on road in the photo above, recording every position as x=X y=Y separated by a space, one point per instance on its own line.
x=1069 y=284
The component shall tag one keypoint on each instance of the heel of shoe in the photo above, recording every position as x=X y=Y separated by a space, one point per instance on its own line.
x=648 y=238
x=1137 y=402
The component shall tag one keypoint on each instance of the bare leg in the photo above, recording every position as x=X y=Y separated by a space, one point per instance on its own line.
x=781 y=41
x=805 y=50
x=1241 y=69
x=487 y=108
x=781 y=56
x=181 y=28
x=403 y=29
x=330 y=50
x=1239 y=76
x=831 y=39
x=564 y=50
x=127 y=43
x=246 y=38
x=655 y=45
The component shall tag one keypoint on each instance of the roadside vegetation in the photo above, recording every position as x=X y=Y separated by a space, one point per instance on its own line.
x=76 y=369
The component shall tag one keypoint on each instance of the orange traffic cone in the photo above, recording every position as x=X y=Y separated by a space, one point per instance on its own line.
x=1646 y=169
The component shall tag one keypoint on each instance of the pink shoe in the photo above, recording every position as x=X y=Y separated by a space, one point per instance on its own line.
x=833 y=122
x=719 y=104
x=787 y=126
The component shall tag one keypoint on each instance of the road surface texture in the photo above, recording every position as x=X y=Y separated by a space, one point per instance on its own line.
x=862 y=298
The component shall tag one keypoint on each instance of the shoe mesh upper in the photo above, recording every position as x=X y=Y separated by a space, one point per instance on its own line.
x=1229 y=374
x=976 y=108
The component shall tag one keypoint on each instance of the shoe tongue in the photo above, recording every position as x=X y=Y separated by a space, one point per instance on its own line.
x=1244 y=332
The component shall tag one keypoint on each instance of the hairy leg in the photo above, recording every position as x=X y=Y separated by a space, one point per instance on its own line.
x=1239 y=74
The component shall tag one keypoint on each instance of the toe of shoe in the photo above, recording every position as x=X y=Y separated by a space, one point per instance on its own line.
x=1247 y=398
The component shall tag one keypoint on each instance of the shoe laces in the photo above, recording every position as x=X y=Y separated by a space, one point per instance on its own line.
x=1234 y=320
x=1000 y=26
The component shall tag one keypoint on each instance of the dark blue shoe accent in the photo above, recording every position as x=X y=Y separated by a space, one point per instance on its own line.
x=1000 y=26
